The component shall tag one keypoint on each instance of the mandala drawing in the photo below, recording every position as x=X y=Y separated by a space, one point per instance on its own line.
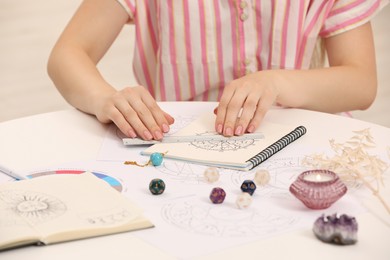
x=223 y=145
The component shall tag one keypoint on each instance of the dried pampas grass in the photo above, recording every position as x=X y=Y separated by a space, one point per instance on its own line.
x=353 y=164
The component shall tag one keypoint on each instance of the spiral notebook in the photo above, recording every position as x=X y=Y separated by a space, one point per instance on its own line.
x=234 y=154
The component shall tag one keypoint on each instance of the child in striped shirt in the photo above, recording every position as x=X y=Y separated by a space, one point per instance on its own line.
x=246 y=54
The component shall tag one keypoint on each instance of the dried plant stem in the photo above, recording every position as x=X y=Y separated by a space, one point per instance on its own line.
x=375 y=192
x=353 y=161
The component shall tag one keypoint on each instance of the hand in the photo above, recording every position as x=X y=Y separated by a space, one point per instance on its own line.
x=244 y=103
x=135 y=112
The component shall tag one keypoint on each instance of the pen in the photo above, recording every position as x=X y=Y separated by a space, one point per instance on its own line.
x=12 y=174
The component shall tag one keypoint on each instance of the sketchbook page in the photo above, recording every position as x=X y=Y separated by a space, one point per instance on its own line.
x=12 y=235
x=226 y=153
x=65 y=207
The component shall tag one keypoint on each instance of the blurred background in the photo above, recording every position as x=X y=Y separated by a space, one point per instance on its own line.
x=29 y=29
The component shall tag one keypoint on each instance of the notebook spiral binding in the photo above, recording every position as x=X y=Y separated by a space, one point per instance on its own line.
x=277 y=146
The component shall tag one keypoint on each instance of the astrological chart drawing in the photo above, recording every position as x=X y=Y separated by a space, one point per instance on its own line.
x=222 y=145
x=180 y=122
x=182 y=172
x=193 y=173
x=283 y=171
x=220 y=221
x=29 y=207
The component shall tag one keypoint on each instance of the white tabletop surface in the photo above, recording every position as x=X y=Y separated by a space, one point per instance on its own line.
x=50 y=139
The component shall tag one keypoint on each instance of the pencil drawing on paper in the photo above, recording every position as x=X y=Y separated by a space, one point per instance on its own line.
x=182 y=172
x=180 y=122
x=112 y=217
x=224 y=221
x=222 y=145
x=27 y=207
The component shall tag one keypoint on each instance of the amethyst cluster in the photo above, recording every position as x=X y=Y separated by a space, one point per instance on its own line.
x=341 y=230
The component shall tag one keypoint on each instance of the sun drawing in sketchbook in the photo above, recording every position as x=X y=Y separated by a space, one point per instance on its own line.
x=35 y=207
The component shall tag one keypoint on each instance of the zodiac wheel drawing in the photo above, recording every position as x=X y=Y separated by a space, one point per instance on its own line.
x=183 y=172
x=223 y=221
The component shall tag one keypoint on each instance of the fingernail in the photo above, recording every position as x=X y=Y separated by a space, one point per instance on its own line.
x=238 y=130
x=251 y=129
x=165 y=128
x=158 y=135
x=228 y=131
x=148 y=135
x=219 y=128
x=132 y=134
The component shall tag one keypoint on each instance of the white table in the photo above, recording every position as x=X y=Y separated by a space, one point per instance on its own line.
x=70 y=135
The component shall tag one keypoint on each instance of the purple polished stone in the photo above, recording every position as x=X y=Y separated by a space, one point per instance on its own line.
x=341 y=230
x=217 y=195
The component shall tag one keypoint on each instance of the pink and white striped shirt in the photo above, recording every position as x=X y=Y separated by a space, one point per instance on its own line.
x=190 y=49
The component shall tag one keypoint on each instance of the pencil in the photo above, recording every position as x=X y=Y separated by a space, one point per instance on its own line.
x=11 y=173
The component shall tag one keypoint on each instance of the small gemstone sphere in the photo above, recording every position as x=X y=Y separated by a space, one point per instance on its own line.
x=244 y=200
x=156 y=159
x=211 y=174
x=157 y=186
x=217 y=195
x=248 y=186
x=262 y=177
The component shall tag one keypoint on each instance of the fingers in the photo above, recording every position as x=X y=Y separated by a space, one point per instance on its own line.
x=222 y=108
x=245 y=121
x=243 y=106
x=233 y=112
x=136 y=113
x=262 y=107
x=114 y=115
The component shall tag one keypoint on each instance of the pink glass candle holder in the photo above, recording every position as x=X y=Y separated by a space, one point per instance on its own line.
x=318 y=189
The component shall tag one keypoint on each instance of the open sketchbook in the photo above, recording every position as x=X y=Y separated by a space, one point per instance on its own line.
x=58 y=208
x=236 y=154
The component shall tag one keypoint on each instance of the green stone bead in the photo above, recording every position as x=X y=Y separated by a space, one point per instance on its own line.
x=157 y=186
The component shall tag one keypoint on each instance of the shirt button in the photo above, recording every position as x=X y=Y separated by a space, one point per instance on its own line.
x=243 y=4
x=243 y=17
x=247 y=61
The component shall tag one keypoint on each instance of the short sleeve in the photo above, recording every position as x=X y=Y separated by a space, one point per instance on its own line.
x=349 y=14
x=129 y=6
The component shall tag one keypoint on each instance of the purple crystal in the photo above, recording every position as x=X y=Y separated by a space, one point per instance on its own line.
x=217 y=195
x=341 y=230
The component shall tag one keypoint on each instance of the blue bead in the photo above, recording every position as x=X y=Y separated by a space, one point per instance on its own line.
x=156 y=159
